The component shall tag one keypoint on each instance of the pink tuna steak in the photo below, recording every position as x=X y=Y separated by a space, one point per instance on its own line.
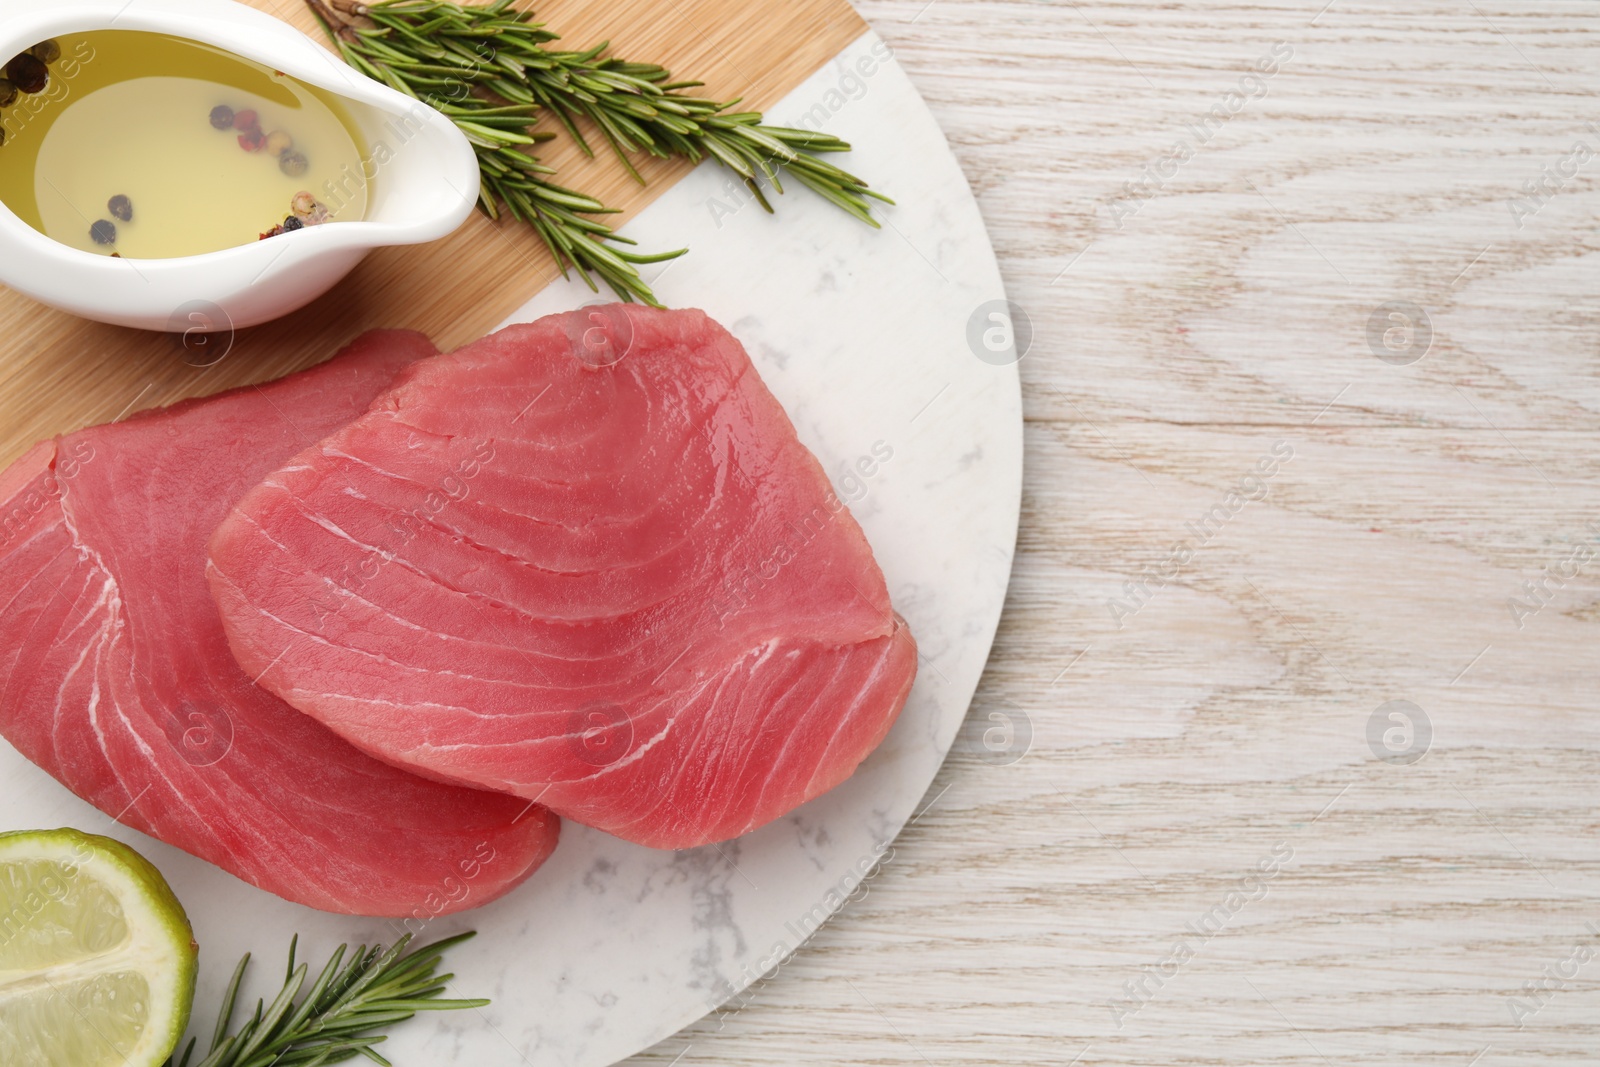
x=116 y=678
x=586 y=561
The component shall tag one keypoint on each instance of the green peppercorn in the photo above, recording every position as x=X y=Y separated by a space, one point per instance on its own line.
x=104 y=232
x=8 y=92
x=294 y=164
x=121 y=208
x=29 y=75
x=46 y=51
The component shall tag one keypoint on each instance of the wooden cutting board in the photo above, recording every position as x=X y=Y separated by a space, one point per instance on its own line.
x=59 y=373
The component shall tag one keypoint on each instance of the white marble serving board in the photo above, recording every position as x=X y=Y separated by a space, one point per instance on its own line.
x=868 y=338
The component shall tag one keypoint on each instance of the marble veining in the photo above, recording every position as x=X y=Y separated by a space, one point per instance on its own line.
x=862 y=335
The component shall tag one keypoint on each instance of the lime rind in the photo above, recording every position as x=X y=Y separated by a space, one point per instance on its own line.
x=97 y=957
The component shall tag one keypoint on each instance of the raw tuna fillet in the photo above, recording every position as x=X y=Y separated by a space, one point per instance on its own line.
x=116 y=678
x=586 y=561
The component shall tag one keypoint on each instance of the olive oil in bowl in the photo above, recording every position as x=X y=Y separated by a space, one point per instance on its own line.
x=148 y=146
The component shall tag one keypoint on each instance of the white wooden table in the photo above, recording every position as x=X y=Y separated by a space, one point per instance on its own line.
x=1102 y=899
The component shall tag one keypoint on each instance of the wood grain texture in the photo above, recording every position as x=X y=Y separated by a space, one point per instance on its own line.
x=59 y=373
x=1175 y=747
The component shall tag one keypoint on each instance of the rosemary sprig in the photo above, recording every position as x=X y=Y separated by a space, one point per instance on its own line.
x=492 y=61
x=636 y=106
x=342 y=1014
x=430 y=62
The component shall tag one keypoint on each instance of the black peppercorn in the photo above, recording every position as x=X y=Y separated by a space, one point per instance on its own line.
x=292 y=224
x=121 y=208
x=28 y=74
x=104 y=232
x=222 y=117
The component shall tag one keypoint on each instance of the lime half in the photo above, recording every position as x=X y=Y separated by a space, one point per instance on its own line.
x=97 y=960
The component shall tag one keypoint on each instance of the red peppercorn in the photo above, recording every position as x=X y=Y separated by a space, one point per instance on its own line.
x=252 y=141
x=27 y=73
x=247 y=120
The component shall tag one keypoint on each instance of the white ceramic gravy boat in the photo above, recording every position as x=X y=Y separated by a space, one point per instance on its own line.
x=425 y=186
